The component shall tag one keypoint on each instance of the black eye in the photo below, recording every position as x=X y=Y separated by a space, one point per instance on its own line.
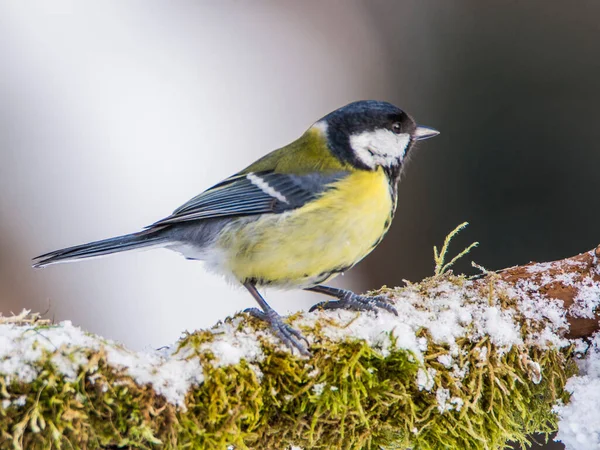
x=397 y=128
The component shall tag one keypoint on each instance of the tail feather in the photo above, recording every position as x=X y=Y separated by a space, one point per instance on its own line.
x=147 y=238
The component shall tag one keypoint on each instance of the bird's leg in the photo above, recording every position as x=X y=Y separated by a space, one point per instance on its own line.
x=350 y=300
x=290 y=336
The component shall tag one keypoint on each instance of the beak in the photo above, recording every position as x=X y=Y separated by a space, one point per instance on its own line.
x=423 y=133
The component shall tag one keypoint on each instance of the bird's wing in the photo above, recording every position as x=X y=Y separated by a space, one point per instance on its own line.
x=253 y=193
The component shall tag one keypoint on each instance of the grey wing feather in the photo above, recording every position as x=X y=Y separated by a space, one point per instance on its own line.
x=253 y=193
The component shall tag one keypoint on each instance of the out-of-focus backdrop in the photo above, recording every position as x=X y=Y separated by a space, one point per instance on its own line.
x=114 y=113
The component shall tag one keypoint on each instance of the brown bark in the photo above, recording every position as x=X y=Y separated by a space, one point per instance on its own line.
x=582 y=267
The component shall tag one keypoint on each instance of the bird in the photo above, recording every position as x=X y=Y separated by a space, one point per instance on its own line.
x=295 y=218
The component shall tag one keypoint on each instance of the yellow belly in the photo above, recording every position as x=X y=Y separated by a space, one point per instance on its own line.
x=308 y=245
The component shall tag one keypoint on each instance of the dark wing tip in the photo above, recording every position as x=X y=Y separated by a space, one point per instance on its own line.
x=46 y=259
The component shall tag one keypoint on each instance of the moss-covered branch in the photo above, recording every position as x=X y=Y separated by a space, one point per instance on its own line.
x=469 y=363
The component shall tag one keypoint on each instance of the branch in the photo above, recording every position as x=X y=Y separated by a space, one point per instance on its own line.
x=469 y=363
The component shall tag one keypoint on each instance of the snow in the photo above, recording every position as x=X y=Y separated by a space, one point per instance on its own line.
x=447 y=312
x=535 y=372
x=587 y=299
x=445 y=360
x=233 y=343
x=501 y=327
x=483 y=354
x=457 y=402
x=315 y=372
x=539 y=267
x=426 y=379
x=537 y=307
x=22 y=346
x=318 y=388
x=579 y=420
x=446 y=402
x=442 y=396
x=171 y=373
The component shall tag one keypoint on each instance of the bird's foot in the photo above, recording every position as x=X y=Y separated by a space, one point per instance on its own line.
x=291 y=337
x=355 y=302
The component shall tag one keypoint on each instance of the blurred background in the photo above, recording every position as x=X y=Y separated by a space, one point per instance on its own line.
x=114 y=113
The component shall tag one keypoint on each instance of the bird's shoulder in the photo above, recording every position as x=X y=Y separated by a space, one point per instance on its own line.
x=308 y=154
x=285 y=179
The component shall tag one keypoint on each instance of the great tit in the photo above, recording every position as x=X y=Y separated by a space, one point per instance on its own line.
x=295 y=218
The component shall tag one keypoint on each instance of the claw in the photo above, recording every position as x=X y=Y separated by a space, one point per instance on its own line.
x=356 y=302
x=290 y=336
x=383 y=302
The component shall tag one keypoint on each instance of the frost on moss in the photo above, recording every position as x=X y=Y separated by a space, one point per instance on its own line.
x=460 y=367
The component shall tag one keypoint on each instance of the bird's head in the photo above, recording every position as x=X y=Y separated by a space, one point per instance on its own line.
x=369 y=134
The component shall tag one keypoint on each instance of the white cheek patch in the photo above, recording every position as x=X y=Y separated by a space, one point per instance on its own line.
x=380 y=147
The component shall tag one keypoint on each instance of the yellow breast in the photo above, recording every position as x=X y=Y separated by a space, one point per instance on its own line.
x=302 y=247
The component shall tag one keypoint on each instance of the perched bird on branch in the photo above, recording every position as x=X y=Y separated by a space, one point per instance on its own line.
x=295 y=218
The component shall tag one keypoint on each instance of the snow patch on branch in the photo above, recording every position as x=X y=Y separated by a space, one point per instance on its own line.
x=587 y=299
x=22 y=347
x=446 y=308
x=579 y=420
x=447 y=311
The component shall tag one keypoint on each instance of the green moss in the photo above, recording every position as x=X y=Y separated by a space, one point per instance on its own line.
x=347 y=396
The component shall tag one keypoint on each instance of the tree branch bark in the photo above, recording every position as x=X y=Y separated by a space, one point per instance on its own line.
x=469 y=363
x=584 y=269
